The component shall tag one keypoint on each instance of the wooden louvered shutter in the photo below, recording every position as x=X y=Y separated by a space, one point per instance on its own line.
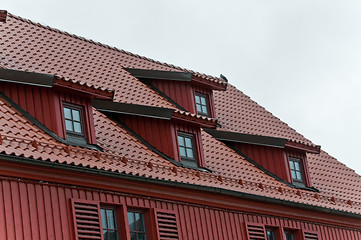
x=255 y=231
x=166 y=225
x=86 y=216
x=310 y=236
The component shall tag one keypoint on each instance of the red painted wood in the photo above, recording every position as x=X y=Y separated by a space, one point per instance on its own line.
x=40 y=100
x=48 y=214
x=274 y=159
x=183 y=93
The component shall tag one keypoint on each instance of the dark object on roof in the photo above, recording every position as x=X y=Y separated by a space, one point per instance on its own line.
x=29 y=78
x=3 y=15
x=133 y=109
x=224 y=78
x=157 y=74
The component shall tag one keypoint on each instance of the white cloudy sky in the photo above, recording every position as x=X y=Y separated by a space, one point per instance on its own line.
x=301 y=60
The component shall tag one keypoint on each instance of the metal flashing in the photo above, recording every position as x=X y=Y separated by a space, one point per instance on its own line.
x=247 y=138
x=132 y=109
x=28 y=78
x=157 y=74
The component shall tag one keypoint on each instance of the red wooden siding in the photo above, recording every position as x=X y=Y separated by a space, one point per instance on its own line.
x=32 y=210
x=46 y=106
x=272 y=159
x=162 y=134
x=155 y=131
x=275 y=160
x=183 y=93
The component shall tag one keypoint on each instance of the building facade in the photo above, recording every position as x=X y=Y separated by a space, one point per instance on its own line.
x=100 y=143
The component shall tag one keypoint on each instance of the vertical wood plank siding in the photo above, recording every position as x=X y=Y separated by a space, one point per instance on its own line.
x=162 y=134
x=272 y=159
x=32 y=210
x=183 y=93
x=39 y=100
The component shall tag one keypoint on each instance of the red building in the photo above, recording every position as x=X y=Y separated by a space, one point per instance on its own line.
x=99 y=143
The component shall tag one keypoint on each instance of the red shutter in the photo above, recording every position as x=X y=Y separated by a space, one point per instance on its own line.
x=255 y=231
x=86 y=220
x=167 y=225
x=310 y=236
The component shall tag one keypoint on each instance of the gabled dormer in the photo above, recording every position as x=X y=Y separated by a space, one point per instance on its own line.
x=174 y=134
x=59 y=106
x=280 y=157
x=187 y=91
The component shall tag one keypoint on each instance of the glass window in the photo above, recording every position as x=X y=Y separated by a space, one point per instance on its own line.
x=136 y=226
x=289 y=235
x=270 y=234
x=109 y=224
x=202 y=104
x=185 y=142
x=296 y=169
x=72 y=117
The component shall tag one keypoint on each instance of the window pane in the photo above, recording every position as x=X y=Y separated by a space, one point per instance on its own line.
x=198 y=100
x=106 y=236
x=293 y=175
x=113 y=235
x=140 y=222
x=188 y=142
x=76 y=115
x=270 y=234
x=292 y=165
x=77 y=127
x=203 y=101
x=204 y=109
x=181 y=141
x=190 y=153
x=182 y=151
x=110 y=219
x=297 y=166
x=299 y=175
x=141 y=236
x=131 y=221
x=199 y=108
x=133 y=236
x=288 y=236
x=67 y=113
x=104 y=218
x=69 y=125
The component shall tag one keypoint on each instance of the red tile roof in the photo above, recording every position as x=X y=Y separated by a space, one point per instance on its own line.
x=33 y=47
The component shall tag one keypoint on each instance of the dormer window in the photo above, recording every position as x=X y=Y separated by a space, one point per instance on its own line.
x=202 y=104
x=296 y=170
x=186 y=146
x=73 y=119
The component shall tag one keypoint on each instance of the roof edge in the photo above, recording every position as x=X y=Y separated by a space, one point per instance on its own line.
x=232 y=193
x=132 y=109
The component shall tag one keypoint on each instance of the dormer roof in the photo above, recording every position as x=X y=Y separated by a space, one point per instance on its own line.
x=32 y=47
x=50 y=81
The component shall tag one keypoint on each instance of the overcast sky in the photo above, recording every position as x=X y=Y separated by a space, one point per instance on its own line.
x=301 y=60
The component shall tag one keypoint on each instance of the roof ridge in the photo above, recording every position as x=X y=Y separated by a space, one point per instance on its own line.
x=202 y=75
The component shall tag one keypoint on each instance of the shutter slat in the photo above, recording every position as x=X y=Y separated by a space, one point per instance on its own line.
x=167 y=226
x=256 y=232
x=311 y=236
x=87 y=222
